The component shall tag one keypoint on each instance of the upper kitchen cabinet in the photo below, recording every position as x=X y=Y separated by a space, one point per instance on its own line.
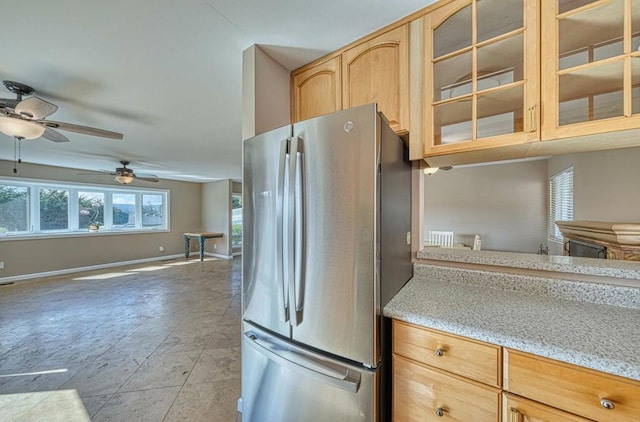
x=378 y=71
x=591 y=67
x=481 y=75
x=316 y=90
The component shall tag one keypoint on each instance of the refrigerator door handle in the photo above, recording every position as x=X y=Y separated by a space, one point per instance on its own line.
x=283 y=299
x=337 y=376
x=299 y=229
x=290 y=230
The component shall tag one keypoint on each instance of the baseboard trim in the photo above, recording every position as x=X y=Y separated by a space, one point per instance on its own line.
x=6 y=280
x=217 y=255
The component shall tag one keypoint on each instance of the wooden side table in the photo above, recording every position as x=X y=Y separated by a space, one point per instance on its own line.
x=201 y=236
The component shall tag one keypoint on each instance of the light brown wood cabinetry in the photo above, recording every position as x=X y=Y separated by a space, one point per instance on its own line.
x=518 y=409
x=427 y=381
x=580 y=391
x=482 y=74
x=378 y=71
x=317 y=90
x=591 y=67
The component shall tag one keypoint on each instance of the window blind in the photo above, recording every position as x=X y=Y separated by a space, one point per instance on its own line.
x=561 y=201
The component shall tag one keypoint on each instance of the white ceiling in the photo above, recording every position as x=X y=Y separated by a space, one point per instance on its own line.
x=165 y=73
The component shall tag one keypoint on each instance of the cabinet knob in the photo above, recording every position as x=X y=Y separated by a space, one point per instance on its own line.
x=607 y=404
x=439 y=351
x=440 y=411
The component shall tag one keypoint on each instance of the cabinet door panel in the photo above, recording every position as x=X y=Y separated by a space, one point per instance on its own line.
x=316 y=91
x=428 y=395
x=573 y=389
x=378 y=71
x=518 y=409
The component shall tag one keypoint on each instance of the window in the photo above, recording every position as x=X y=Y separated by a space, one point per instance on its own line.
x=560 y=201
x=41 y=208
x=236 y=220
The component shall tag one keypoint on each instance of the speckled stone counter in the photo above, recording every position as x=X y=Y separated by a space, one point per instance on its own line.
x=565 y=264
x=569 y=321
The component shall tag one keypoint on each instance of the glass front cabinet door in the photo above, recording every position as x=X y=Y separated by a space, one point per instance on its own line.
x=482 y=72
x=590 y=66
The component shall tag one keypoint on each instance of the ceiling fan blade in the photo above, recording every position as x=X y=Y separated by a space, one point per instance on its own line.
x=53 y=136
x=7 y=102
x=35 y=108
x=152 y=179
x=82 y=129
x=446 y=168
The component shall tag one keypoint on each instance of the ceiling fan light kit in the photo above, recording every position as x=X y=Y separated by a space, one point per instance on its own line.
x=124 y=179
x=19 y=128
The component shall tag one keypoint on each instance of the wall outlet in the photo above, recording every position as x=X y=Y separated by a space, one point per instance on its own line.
x=215 y=246
x=161 y=248
x=1 y=265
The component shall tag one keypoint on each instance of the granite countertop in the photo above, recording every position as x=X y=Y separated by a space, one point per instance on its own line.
x=587 y=324
x=565 y=264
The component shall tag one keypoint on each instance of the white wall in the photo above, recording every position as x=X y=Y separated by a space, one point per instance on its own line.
x=266 y=103
x=216 y=215
x=606 y=185
x=506 y=204
x=30 y=256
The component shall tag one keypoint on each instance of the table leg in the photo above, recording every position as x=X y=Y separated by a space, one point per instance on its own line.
x=187 y=242
x=201 y=248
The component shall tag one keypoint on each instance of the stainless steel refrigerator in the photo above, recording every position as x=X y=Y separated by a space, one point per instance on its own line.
x=326 y=215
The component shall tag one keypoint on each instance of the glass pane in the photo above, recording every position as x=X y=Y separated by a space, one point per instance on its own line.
x=14 y=209
x=452 y=77
x=236 y=220
x=90 y=209
x=497 y=17
x=152 y=210
x=453 y=34
x=501 y=62
x=124 y=210
x=54 y=209
x=591 y=94
x=635 y=80
x=566 y=5
x=597 y=31
x=452 y=122
x=500 y=112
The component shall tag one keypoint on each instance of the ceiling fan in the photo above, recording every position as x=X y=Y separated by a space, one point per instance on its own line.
x=26 y=118
x=125 y=175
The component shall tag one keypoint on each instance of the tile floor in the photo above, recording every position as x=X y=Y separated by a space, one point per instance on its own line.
x=155 y=342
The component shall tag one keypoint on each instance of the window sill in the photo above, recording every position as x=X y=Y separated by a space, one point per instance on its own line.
x=79 y=233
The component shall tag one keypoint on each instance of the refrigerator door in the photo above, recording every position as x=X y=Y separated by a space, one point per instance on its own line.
x=335 y=287
x=264 y=290
x=285 y=383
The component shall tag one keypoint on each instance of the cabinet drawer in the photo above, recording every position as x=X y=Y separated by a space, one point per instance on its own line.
x=568 y=387
x=469 y=358
x=518 y=409
x=419 y=392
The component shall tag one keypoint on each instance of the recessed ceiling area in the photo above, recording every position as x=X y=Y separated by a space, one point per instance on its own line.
x=166 y=74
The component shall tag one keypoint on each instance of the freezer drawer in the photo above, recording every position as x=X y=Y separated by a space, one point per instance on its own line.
x=285 y=383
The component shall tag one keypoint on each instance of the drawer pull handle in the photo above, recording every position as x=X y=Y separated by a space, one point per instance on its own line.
x=440 y=411
x=439 y=352
x=514 y=415
x=607 y=404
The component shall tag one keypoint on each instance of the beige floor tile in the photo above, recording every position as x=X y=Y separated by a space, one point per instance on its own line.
x=216 y=365
x=206 y=402
x=138 y=406
x=103 y=377
x=166 y=370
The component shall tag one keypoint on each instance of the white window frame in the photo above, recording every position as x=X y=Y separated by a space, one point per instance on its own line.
x=33 y=211
x=560 y=201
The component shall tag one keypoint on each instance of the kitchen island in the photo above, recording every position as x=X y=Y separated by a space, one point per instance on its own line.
x=586 y=327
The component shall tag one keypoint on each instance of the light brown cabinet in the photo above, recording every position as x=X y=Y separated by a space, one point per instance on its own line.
x=434 y=377
x=518 y=409
x=481 y=65
x=436 y=374
x=317 y=90
x=591 y=67
x=580 y=391
x=378 y=71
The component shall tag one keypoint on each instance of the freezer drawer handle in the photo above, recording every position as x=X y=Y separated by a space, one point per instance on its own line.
x=349 y=382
